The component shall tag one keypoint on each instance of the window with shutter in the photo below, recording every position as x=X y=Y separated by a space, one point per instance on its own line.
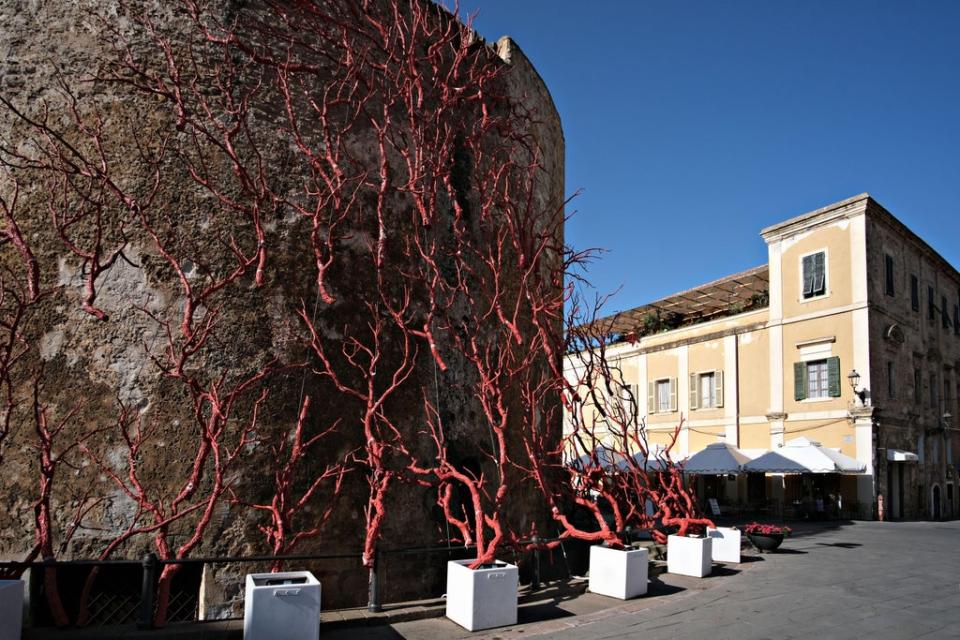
x=833 y=377
x=708 y=390
x=651 y=397
x=814 y=274
x=888 y=274
x=666 y=395
x=799 y=381
x=822 y=378
x=914 y=293
x=694 y=391
x=718 y=380
x=628 y=398
x=807 y=276
x=944 y=313
x=917 y=386
x=931 y=306
x=820 y=274
x=891 y=380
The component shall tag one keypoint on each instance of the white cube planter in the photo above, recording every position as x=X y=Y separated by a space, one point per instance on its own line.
x=482 y=598
x=689 y=556
x=618 y=573
x=281 y=606
x=726 y=544
x=11 y=609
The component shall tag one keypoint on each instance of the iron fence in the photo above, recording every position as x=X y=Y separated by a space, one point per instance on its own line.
x=128 y=594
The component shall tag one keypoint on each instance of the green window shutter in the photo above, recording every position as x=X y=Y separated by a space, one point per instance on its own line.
x=820 y=274
x=651 y=397
x=718 y=377
x=799 y=380
x=833 y=377
x=628 y=401
x=694 y=397
x=808 y=269
x=673 y=394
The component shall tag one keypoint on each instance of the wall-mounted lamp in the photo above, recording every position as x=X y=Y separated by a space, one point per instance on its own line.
x=854 y=379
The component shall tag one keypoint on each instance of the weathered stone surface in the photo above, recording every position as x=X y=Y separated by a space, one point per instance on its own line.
x=96 y=366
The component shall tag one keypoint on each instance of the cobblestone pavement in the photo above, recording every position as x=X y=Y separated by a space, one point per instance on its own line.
x=860 y=580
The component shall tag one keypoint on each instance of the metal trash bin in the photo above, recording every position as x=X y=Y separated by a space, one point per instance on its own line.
x=281 y=606
x=11 y=609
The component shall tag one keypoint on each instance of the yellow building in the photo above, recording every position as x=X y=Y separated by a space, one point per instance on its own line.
x=764 y=356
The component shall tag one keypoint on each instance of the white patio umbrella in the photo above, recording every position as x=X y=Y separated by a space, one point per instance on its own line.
x=611 y=461
x=653 y=463
x=801 y=455
x=719 y=458
x=605 y=458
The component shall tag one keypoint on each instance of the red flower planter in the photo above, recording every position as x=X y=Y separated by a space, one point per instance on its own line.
x=764 y=543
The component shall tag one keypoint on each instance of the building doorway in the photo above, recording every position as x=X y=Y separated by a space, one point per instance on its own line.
x=936 y=502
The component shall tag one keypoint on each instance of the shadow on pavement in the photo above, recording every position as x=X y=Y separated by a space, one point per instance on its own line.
x=541 y=612
x=657 y=587
x=805 y=528
x=723 y=571
x=745 y=559
x=842 y=545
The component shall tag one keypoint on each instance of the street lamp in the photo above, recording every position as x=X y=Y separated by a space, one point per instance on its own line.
x=854 y=379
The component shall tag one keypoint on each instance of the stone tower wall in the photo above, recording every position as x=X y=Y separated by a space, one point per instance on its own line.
x=92 y=370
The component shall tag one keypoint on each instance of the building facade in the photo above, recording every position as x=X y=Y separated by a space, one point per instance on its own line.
x=849 y=336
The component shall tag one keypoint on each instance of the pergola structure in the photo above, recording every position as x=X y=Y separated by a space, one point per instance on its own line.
x=729 y=295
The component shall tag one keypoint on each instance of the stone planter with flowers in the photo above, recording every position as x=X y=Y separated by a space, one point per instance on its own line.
x=766 y=537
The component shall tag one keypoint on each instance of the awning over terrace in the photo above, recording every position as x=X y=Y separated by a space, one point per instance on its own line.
x=805 y=456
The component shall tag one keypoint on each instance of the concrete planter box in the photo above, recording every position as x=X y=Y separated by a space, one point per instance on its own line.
x=618 y=573
x=689 y=556
x=11 y=609
x=726 y=544
x=482 y=598
x=281 y=606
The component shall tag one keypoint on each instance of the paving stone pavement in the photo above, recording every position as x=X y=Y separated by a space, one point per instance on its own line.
x=877 y=580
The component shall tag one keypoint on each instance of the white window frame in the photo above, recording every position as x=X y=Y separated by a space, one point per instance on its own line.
x=658 y=396
x=712 y=375
x=826 y=386
x=826 y=275
x=695 y=390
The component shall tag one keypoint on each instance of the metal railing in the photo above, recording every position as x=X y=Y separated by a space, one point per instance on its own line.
x=119 y=608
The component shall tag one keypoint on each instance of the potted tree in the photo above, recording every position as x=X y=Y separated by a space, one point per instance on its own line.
x=611 y=473
x=593 y=393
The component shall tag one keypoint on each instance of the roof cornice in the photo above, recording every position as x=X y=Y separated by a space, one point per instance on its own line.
x=825 y=215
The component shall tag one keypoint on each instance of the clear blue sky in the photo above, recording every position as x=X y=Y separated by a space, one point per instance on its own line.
x=692 y=125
